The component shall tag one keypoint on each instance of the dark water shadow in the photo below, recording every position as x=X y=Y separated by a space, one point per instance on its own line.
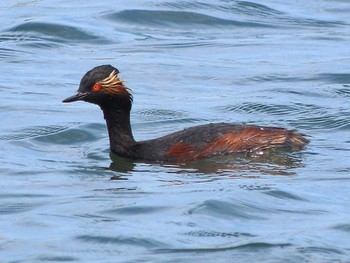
x=161 y=18
x=239 y=165
x=43 y=34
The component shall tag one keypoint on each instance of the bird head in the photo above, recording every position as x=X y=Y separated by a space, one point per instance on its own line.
x=102 y=86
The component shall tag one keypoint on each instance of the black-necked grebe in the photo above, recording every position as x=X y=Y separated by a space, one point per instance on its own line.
x=102 y=86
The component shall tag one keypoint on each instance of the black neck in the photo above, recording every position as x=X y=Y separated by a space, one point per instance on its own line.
x=119 y=129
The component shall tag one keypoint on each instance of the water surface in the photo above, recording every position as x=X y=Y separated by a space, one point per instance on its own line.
x=63 y=198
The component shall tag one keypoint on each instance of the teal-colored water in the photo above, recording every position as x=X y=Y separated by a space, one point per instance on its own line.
x=270 y=63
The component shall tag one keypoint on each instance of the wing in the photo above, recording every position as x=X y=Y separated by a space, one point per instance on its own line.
x=228 y=139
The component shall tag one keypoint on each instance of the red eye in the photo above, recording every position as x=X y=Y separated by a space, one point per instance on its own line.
x=96 y=87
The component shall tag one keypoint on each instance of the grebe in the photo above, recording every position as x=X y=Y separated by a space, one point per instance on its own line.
x=102 y=86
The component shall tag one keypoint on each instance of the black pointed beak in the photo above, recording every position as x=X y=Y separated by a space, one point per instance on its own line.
x=76 y=97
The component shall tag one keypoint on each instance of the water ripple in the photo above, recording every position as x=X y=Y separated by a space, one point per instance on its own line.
x=284 y=195
x=14 y=208
x=56 y=134
x=338 y=121
x=122 y=240
x=175 y=19
x=68 y=136
x=57 y=259
x=318 y=117
x=252 y=12
x=320 y=250
x=202 y=233
x=252 y=246
x=9 y=53
x=158 y=114
x=339 y=78
x=276 y=109
x=45 y=34
x=343 y=92
x=136 y=210
x=222 y=208
x=33 y=132
x=343 y=227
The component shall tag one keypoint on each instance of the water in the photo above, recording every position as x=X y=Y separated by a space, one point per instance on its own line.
x=188 y=63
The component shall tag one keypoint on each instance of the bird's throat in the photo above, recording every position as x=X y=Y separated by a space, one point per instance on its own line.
x=119 y=130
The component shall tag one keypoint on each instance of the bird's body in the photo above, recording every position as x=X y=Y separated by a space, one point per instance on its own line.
x=102 y=86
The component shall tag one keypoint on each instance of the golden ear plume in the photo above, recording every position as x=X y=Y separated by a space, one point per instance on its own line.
x=114 y=85
x=111 y=81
